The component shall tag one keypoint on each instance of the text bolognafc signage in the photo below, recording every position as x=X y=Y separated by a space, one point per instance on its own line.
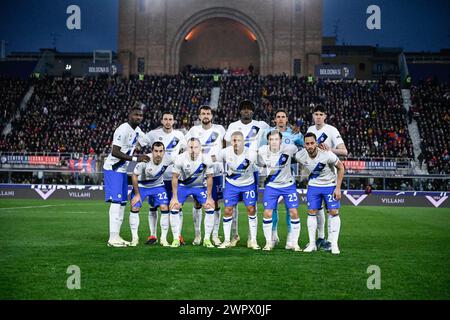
x=334 y=71
x=103 y=68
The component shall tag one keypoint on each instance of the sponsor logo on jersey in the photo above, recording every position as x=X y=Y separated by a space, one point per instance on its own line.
x=173 y=143
x=317 y=170
x=323 y=137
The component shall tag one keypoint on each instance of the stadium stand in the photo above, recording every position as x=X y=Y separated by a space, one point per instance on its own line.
x=430 y=108
x=79 y=115
x=12 y=91
x=76 y=115
x=369 y=115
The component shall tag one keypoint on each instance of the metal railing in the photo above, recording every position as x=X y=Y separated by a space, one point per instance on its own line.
x=79 y=169
x=351 y=181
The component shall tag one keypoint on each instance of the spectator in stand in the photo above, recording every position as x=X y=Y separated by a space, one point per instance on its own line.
x=430 y=101
x=78 y=118
x=12 y=92
x=78 y=115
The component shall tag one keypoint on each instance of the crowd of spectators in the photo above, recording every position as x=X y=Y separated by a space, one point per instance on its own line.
x=431 y=110
x=72 y=115
x=238 y=71
x=80 y=115
x=369 y=115
x=12 y=92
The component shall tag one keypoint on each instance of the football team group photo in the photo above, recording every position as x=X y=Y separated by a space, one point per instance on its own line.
x=224 y=158
x=200 y=165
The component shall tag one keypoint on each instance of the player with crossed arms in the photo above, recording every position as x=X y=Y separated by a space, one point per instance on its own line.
x=125 y=139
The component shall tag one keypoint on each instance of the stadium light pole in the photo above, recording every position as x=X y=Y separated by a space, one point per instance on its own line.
x=3 y=49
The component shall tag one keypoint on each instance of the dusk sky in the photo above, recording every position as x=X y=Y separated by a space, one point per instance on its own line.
x=416 y=25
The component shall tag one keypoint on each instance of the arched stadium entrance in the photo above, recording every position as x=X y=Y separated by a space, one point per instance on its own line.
x=152 y=33
x=219 y=38
x=220 y=43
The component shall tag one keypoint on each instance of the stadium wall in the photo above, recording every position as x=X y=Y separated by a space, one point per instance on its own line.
x=350 y=197
x=153 y=31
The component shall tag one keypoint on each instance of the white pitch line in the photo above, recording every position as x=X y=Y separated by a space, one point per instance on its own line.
x=77 y=211
x=32 y=207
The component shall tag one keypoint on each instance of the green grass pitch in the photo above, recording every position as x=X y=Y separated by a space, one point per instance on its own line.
x=40 y=239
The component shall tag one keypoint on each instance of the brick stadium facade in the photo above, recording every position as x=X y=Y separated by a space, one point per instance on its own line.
x=288 y=34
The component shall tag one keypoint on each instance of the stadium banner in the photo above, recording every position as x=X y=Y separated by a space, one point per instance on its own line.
x=103 y=68
x=43 y=160
x=12 y=159
x=370 y=165
x=349 y=197
x=30 y=160
x=334 y=71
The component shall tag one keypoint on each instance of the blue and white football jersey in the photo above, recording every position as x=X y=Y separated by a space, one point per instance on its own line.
x=192 y=173
x=238 y=168
x=211 y=140
x=126 y=138
x=173 y=142
x=277 y=165
x=252 y=132
x=328 y=135
x=321 y=168
x=150 y=174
